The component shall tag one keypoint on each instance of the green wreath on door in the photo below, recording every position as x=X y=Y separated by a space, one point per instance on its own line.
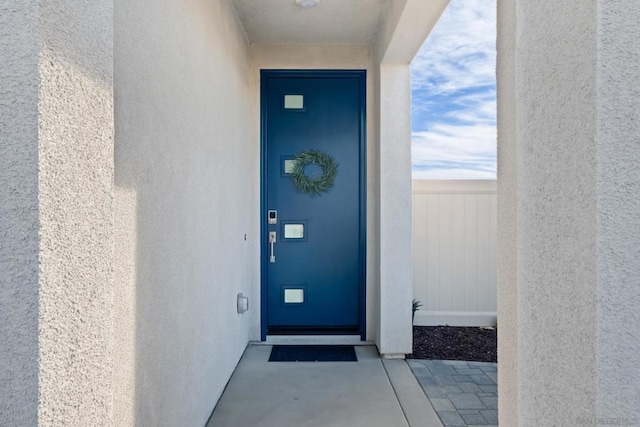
x=313 y=186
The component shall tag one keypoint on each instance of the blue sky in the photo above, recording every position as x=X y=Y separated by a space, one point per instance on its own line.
x=454 y=95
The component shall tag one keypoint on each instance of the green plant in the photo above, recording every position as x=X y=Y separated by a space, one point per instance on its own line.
x=415 y=306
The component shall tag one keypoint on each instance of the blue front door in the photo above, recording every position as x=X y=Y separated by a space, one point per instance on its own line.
x=313 y=230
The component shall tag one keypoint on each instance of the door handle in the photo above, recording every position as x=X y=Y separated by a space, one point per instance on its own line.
x=272 y=240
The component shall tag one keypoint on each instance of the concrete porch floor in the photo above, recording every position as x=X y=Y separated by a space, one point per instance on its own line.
x=371 y=392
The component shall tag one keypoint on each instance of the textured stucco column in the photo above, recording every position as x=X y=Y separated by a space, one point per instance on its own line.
x=507 y=235
x=618 y=209
x=56 y=226
x=18 y=212
x=394 y=338
x=569 y=99
x=404 y=27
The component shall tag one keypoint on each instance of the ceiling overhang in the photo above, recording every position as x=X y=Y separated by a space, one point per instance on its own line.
x=330 y=22
x=397 y=28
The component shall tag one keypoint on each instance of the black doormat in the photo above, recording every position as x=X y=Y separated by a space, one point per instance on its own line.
x=313 y=353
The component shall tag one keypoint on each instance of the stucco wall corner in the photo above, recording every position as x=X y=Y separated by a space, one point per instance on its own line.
x=56 y=215
x=75 y=194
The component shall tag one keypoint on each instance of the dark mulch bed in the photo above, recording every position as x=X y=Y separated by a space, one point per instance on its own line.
x=455 y=343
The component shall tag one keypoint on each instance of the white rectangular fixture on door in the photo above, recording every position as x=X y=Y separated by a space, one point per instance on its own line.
x=294 y=102
x=294 y=296
x=288 y=165
x=294 y=231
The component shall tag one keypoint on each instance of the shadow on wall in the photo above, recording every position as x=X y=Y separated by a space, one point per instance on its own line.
x=186 y=178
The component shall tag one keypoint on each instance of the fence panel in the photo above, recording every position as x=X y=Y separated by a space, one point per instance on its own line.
x=454 y=252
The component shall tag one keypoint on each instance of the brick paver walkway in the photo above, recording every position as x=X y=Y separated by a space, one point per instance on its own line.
x=462 y=393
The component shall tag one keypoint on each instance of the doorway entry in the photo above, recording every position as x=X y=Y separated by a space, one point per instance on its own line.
x=313 y=202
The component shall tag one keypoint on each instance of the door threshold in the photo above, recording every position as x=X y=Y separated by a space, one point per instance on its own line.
x=313 y=340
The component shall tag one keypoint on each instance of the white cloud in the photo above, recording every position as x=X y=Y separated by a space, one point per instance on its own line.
x=454 y=104
x=460 y=52
x=478 y=109
x=456 y=144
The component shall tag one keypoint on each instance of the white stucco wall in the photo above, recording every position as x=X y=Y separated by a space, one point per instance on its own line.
x=19 y=86
x=618 y=209
x=57 y=219
x=340 y=57
x=507 y=229
x=572 y=73
x=394 y=335
x=187 y=186
x=556 y=280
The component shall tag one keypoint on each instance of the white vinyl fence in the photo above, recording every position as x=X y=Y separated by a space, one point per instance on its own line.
x=454 y=252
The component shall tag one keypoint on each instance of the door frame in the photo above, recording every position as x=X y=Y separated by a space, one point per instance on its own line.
x=361 y=76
